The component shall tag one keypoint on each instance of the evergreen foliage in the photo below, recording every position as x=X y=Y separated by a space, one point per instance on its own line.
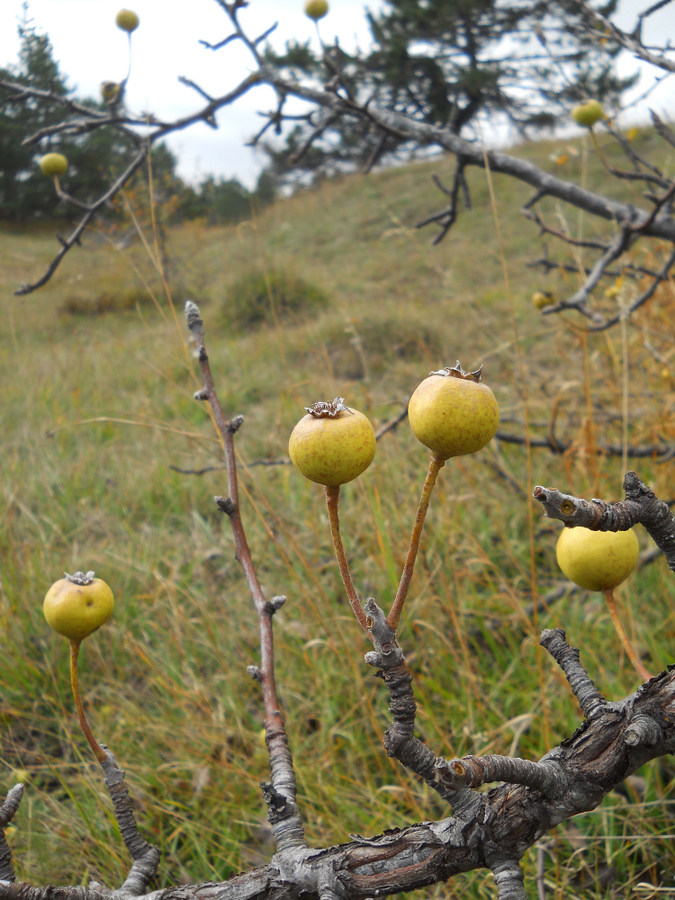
x=468 y=65
x=96 y=158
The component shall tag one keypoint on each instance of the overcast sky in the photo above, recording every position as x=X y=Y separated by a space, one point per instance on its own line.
x=91 y=49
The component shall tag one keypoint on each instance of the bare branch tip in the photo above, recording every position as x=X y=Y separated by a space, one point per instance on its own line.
x=192 y=315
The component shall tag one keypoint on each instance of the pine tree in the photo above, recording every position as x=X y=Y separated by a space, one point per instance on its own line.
x=94 y=158
x=477 y=67
x=21 y=184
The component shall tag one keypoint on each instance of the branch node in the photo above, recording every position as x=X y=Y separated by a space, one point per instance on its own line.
x=275 y=801
x=254 y=672
x=192 y=317
x=225 y=505
x=643 y=730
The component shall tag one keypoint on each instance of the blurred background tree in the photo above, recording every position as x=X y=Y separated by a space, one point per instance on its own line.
x=95 y=158
x=473 y=66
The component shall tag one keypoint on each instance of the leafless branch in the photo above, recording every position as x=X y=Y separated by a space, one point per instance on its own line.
x=632 y=42
x=640 y=506
x=490 y=830
x=280 y=795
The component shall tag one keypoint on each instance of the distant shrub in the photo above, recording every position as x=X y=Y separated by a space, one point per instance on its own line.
x=106 y=302
x=259 y=298
x=358 y=348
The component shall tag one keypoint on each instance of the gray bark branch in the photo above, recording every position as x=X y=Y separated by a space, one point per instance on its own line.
x=641 y=506
x=610 y=744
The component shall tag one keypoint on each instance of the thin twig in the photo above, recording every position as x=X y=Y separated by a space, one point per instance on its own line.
x=286 y=822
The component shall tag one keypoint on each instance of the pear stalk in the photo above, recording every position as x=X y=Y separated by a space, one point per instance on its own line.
x=332 y=501
x=623 y=637
x=394 y=617
x=98 y=751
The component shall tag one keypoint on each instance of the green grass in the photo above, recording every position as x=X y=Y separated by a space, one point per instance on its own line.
x=98 y=414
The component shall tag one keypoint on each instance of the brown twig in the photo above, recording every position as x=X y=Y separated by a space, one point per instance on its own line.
x=394 y=617
x=282 y=808
x=332 y=503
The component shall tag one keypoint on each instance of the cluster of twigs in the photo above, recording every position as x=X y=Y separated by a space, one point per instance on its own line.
x=484 y=830
x=334 y=99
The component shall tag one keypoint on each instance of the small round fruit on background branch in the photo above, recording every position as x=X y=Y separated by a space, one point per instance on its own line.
x=316 y=9
x=588 y=113
x=601 y=561
x=127 y=20
x=597 y=560
x=53 y=164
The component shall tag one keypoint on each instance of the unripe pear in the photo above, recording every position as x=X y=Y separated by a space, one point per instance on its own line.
x=332 y=444
x=111 y=91
x=597 y=560
x=542 y=299
x=316 y=9
x=453 y=413
x=587 y=114
x=52 y=164
x=127 y=20
x=75 y=606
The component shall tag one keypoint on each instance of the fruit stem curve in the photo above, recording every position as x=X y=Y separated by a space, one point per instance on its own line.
x=332 y=499
x=623 y=637
x=394 y=617
x=98 y=751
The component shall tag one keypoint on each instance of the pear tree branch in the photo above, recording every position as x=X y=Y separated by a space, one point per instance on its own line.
x=641 y=506
x=280 y=793
x=486 y=830
x=332 y=95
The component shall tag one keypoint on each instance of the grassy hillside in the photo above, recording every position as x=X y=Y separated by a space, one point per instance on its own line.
x=109 y=464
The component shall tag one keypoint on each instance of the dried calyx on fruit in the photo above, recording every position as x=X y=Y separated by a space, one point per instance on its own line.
x=332 y=444
x=76 y=605
x=453 y=412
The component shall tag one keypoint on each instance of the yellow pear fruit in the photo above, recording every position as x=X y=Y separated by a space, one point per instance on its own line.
x=316 y=9
x=127 y=20
x=587 y=114
x=542 y=299
x=53 y=164
x=332 y=444
x=77 y=605
x=453 y=412
x=597 y=560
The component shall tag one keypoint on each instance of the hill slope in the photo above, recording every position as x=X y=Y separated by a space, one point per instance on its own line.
x=103 y=443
